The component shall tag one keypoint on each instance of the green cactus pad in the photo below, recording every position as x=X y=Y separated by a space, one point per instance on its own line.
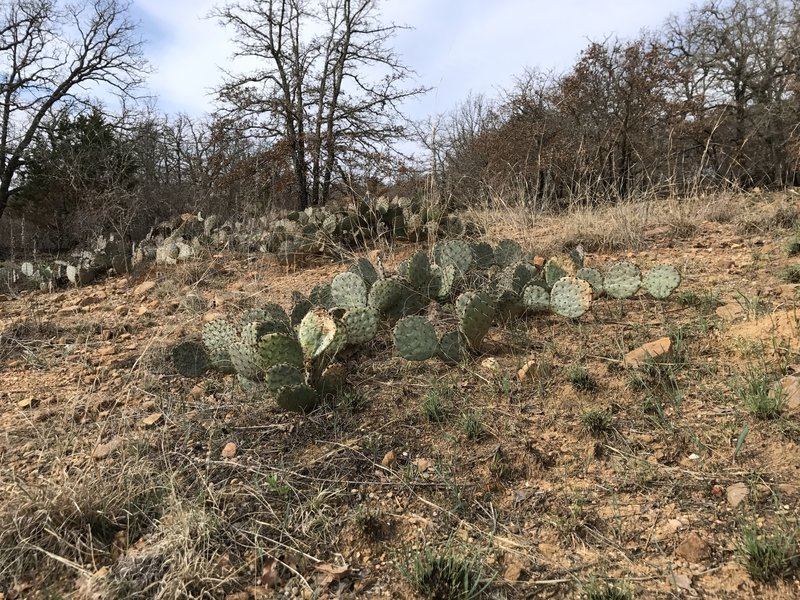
x=453 y=252
x=246 y=361
x=622 y=280
x=577 y=255
x=483 y=255
x=536 y=298
x=218 y=335
x=331 y=381
x=556 y=268
x=300 y=307
x=509 y=305
x=363 y=268
x=415 y=338
x=270 y=312
x=281 y=376
x=297 y=398
x=316 y=333
x=385 y=294
x=419 y=271
x=594 y=277
x=348 y=290
x=361 y=324
x=661 y=281
x=475 y=310
x=277 y=348
x=515 y=277
x=507 y=253
x=253 y=331
x=446 y=277
x=321 y=295
x=571 y=297
x=402 y=268
x=190 y=359
x=452 y=347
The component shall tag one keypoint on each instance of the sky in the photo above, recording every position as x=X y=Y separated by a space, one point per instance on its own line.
x=457 y=47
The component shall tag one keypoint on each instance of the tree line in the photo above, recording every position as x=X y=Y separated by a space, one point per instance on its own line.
x=711 y=100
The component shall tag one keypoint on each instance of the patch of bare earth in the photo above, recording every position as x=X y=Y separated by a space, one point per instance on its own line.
x=121 y=479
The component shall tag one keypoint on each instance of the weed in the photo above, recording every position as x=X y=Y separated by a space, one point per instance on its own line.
x=706 y=300
x=791 y=274
x=596 y=422
x=370 y=522
x=445 y=576
x=582 y=379
x=760 y=397
x=595 y=589
x=434 y=406
x=767 y=556
x=472 y=424
x=793 y=246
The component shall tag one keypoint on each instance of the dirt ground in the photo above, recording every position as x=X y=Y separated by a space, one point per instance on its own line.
x=122 y=479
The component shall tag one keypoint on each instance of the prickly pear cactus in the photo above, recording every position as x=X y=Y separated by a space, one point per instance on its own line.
x=348 y=290
x=661 y=281
x=297 y=398
x=246 y=361
x=475 y=311
x=594 y=277
x=278 y=348
x=536 y=298
x=515 y=277
x=453 y=252
x=507 y=253
x=415 y=338
x=571 y=297
x=365 y=270
x=218 y=335
x=316 y=333
x=361 y=324
x=556 y=268
x=452 y=347
x=386 y=293
x=300 y=307
x=419 y=271
x=622 y=280
x=321 y=295
x=270 y=312
x=282 y=375
x=190 y=359
x=483 y=255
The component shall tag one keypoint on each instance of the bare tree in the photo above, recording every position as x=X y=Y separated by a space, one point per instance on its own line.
x=327 y=86
x=50 y=57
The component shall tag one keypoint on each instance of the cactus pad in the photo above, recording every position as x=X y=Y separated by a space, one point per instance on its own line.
x=483 y=255
x=475 y=311
x=556 y=268
x=536 y=298
x=415 y=338
x=363 y=268
x=348 y=290
x=297 y=398
x=419 y=271
x=316 y=333
x=452 y=347
x=246 y=361
x=453 y=252
x=386 y=293
x=515 y=277
x=321 y=295
x=622 y=279
x=278 y=348
x=300 y=307
x=218 y=336
x=661 y=281
x=594 y=277
x=190 y=359
x=281 y=376
x=571 y=297
x=507 y=253
x=361 y=324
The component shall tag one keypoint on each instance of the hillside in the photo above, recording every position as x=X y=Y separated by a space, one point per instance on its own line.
x=546 y=464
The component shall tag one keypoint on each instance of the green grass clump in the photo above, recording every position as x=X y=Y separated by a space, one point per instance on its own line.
x=445 y=576
x=596 y=422
x=435 y=404
x=768 y=556
x=582 y=379
x=472 y=425
x=791 y=274
x=596 y=589
x=760 y=396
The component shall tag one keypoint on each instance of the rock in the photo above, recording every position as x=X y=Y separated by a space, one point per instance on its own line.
x=791 y=391
x=389 y=458
x=102 y=451
x=652 y=350
x=29 y=402
x=229 y=451
x=693 y=548
x=681 y=581
x=736 y=493
x=491 y=364
x=153 y=419
x=107 y=350
x=523 y=373
x=539 y=261
x=143 y=288
x=730 y=311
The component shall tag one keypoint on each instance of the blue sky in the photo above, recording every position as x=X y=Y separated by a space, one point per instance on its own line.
x=456 y=46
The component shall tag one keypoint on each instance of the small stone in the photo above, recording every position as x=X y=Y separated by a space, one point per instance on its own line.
x=791 y=392
x=730 y=311
x=539 y=261
x=229 y=451
x=389 y=458
x=107 y=351
x=26 y=403
x=736 y=493
x=651 y=350
x=153 y=419
x=491 y=364
x=522 y=374
x=143 y=288
x=681 y=581
x=102 y=451
x=693 y=548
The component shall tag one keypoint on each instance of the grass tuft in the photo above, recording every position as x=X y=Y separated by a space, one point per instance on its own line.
x=768 y=556
x=595 y=589
x=445 y=576
x=760 y=396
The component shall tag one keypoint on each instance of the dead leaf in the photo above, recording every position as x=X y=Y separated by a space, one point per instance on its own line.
x=423 y=464
x=153 y=419
x=331 y=573
x=269 y=573
x=389 y=458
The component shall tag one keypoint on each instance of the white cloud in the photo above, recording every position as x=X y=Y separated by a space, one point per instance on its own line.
x=457 y=46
